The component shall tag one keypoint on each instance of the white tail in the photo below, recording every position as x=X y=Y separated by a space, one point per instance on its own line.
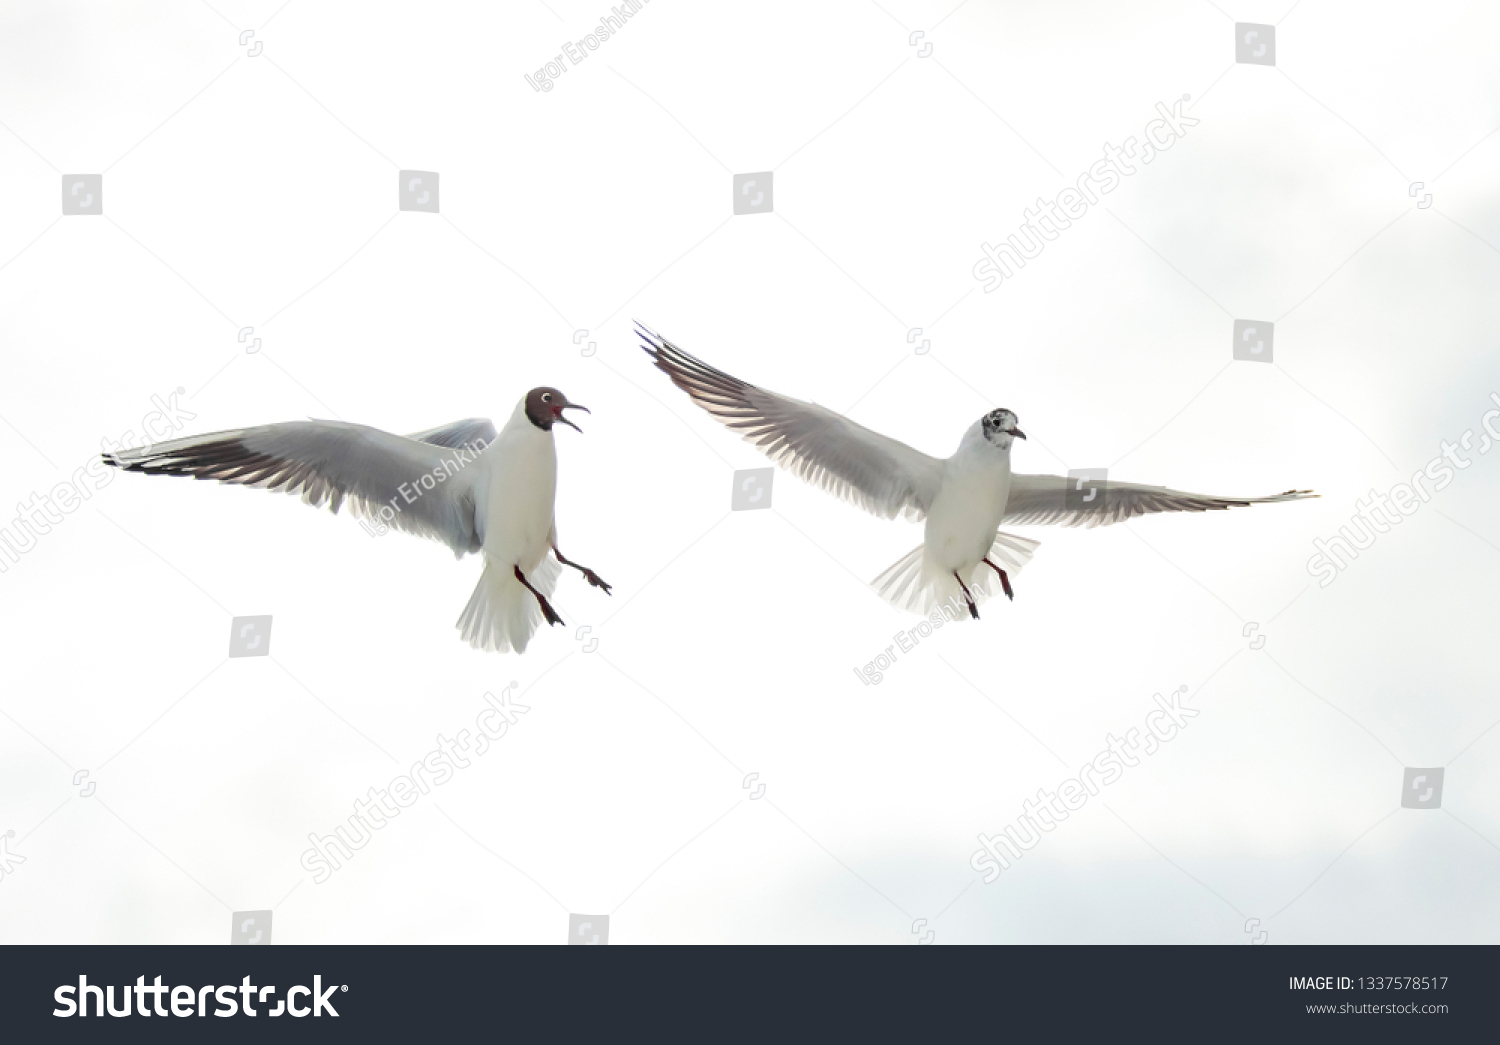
x=502 y=615
x=912 y=584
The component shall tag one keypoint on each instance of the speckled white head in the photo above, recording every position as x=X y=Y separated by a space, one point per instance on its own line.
x=999 y=428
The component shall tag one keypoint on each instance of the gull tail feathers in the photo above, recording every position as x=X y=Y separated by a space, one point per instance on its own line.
x=912 y=584
x=502 y=615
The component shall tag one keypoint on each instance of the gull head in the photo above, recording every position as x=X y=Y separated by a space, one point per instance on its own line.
x=999 y=428
x=545 y=406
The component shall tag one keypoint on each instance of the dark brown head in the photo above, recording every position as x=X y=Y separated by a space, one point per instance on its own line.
x=545 y=406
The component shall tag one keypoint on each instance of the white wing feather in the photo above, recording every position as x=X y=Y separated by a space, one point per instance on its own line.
x=1039 y=500
x=331 y=462
x=881 y=475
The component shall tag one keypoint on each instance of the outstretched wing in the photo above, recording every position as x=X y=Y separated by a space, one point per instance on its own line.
x=478 y=432
x=420 y=484
x=1045 y=500
x=879 y=474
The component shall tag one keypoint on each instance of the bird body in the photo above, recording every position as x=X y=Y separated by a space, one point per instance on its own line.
x=970 y=503
x=464 y=484
x=519 y=489
x=964 y=557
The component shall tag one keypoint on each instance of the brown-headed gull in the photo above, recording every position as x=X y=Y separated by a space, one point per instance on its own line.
x=463 y=484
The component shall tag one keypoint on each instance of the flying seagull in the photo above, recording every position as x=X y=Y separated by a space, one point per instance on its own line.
x=964 y=498
x=462 y=484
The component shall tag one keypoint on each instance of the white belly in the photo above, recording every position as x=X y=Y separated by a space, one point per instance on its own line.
x=523 y=487
x=963 y=518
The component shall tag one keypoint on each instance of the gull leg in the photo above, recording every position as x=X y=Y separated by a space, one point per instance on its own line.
x=973 y=610
x=588 y=574
x=1004 y=580
x=547 y=610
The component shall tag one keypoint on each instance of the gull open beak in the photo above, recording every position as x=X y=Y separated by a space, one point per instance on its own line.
x=1018 y=433
x=557 y=414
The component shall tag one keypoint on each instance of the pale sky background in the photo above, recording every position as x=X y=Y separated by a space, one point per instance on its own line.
x=261 y=191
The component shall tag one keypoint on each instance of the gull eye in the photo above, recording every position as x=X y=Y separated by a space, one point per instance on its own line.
x=546 y=397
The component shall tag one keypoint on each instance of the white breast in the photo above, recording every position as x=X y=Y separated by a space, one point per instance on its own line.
x=963 y=518
x=523 y=488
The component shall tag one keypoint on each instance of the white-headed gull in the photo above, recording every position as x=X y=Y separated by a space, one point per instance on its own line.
x=965 y=498
x=463 y=484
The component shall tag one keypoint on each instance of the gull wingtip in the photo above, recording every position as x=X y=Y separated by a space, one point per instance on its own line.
x=654 y=343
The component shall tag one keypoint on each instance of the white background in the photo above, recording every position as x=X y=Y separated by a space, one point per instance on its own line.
x=262 y=191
